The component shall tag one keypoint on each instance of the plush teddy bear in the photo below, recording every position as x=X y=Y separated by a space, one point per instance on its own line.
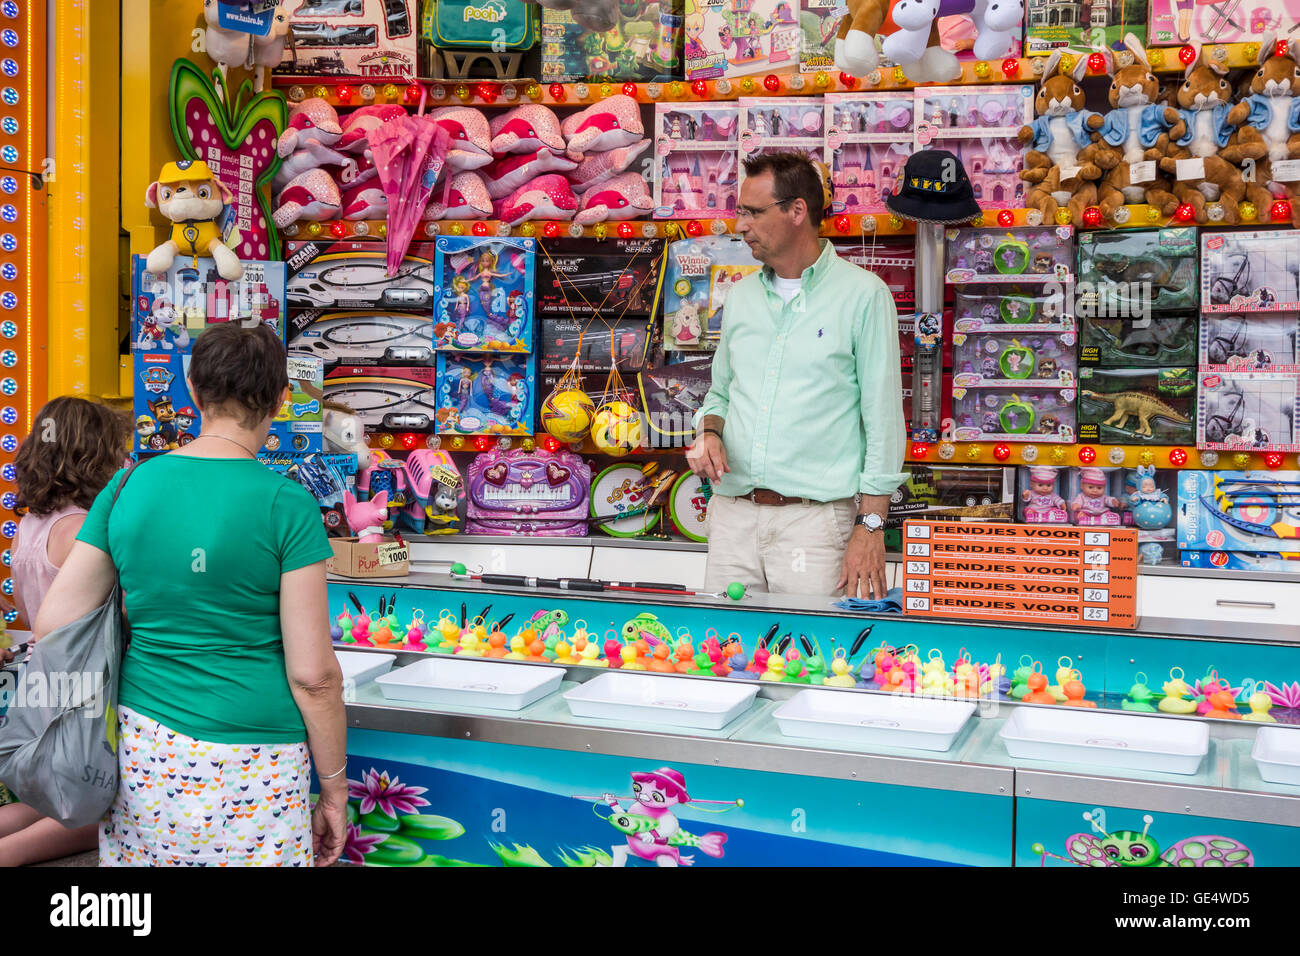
x=1271 y=112
x=1059 y=165
x=193 y=199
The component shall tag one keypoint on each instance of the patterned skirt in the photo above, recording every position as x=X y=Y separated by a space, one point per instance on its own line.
x=187 y=802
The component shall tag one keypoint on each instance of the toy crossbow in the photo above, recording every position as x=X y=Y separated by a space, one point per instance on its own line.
x=1221 y=503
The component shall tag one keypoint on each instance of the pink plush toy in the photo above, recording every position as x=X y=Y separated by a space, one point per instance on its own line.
x=622 y=197
x=598 y=167
x=359 y=123
x=546 y=197
x=526 y=129
x=510 y=172
x=309 y=141
x=608 y=124
x=365 y=201
x=366 y=518
x=357 y=170
x=312 y=195
x=466 y=198
x=471 y=139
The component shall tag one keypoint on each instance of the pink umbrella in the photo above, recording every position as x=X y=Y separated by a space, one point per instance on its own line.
x=409 y=153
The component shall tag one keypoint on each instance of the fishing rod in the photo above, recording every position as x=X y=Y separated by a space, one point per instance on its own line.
x=728 y=803
x=735 y=591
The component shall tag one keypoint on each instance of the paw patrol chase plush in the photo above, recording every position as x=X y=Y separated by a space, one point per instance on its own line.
x=192 y=198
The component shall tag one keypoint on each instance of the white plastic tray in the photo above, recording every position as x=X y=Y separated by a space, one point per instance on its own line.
x=360 y=668
x=1068 y=735
x=452 y=682
x=1277 y=754
x=874 y=720
x=656 y=699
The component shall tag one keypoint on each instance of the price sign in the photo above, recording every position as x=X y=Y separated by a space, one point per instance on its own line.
x=1033 y=574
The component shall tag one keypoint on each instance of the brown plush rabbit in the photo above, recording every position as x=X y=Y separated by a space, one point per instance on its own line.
x=1059 y=166
x=1205 y=101
x=1271 y=112
x=1136 y=129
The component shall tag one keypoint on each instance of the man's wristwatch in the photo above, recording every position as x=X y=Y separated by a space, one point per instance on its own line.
x=872 y=522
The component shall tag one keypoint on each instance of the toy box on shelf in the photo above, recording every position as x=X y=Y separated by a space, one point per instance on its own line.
x=979 y=124
x=1154 y=342
x=1128 y=274
x=1249 y=511
x=537 y=493
x=699 y=274
x=483 y=294
x=373 y=39
x=1073 y=27
x=1176 y=22
x=1242 y=561
x=297 y=425
x=1266 y=341
x=1003 y=414
x=867 y=143
x=485 y=394
x=645 y=45
x=597 y=346
x=1138 y=406
x=819 y=21
x=1027 y=255
x=354 y=275
x=397 y=398
x=424 y=490
x=169 y=311
x=895 y=264
x=1243 y=411
x=1250 y=271
x=954 y=492
x=365 y=337
x=771 y=124
x=740 y=37
x=326 y=476
x=1013 y=356
x=165 y=414
x=670 y=397
x=696 y=160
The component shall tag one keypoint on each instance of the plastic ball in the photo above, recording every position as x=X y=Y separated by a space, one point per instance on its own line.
x=1063 y=216
x=568 y=414
x=1281 y=211
x=1274 y=459
x=557 y=92
x=735 y=590
x=1092 y=215
x=1001 y=451
x=747 y=85
x=821 y=81
x=629 y=89
x=1177 y=457
x=675 y=89
x=700 y=88
x=616 y=428
x=772 y=83
x=1006 y=218
x=849 y=81
x=1010 y=68
x=1186 y=54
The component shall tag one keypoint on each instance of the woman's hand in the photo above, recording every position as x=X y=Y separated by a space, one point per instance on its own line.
x=329 y=823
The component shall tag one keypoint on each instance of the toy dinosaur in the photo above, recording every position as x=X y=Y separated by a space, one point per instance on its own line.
x=1135 y=404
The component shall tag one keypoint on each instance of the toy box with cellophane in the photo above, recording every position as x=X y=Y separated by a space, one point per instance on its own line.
x=1154 y=342
x=485 y=394
x=1024 y=254
x=1011 y=414
x=483 y=294
x=532 y=493
x=1131 y=275
x=1247 y=511
x=1014 y=356
x=1106 y=497
x=169 y=311
x=351 y=274
x=954 y=493
x=1042 y=495
x=894 y=263
x=644 y=46
x=1052 y=25
x=867 y=143
x=390 y=398
x=1178 y=22
x=424 y=490
x=1265 y=342
x=819 y=21
x=980 y=125
x=369 y=39
x=725 y=38
x=696 y=160
x=1250 y=271
x=1248 y=411
x=297 y=426
x=1138 y=406
x=698 y=276
x=670 y=397
x=362 y=336
x=781 y=124
x=1242 y=561
x=327 y=476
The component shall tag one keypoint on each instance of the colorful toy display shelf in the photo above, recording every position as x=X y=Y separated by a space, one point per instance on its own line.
x=1096 y=453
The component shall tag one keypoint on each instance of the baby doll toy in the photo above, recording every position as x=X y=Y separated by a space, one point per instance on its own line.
x=193 y=200
x=1092 y=506
x=1150 y=505
x=1042 y=504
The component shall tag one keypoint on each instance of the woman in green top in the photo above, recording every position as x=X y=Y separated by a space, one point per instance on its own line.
x=230 y=676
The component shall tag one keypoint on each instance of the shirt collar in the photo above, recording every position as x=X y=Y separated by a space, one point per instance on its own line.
x=813 y=274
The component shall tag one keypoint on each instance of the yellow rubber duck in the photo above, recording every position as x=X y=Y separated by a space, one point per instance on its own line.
x=470 y=646
x=840 y=676
x=775 y=668
x=450 y=633
x=564 y=654
x=934 y=665
x=517 y=646
x=1260 y=704
x=630 y=662
x=590 y=656
x=1176 y=693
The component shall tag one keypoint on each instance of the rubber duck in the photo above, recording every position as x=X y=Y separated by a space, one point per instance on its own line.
x=685 y=662
x=564 y=654
x=739 y=665
x=415 y=630
x=1037 y=690
x=659 y=662
x=613 y=652
x=536 y=650
x=627 y=653
x=1223 y=705
x=775 y=668
x=1065 y=673
x=893 y=680
x=344 y=621
x=840 y=676
x=590 y=656
x=1176 y=693
x=1074 y=691
x=934 y=665
x=449 y=631
x=496 y=645
x=517 y=649
x=867 y=674
x=703 y=665
x=580 y=636
x=1210 y=684
x=361 y=630
x=470 y=645
x=550 y=642
x=1139 y=696
x=816 y=670
x=796 y=673
x=336 y=633
x=1260 y=704
x=1020 y=680
x=383 y=637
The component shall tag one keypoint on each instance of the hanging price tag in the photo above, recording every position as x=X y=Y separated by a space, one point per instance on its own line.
x=1286 y=170
x=1193 y=168
x=1143 y=172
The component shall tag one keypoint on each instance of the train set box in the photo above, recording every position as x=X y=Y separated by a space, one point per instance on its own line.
x=354 y=275
x=368 y=39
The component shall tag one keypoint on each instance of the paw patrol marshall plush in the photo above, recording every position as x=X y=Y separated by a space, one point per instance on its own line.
x=192 y=198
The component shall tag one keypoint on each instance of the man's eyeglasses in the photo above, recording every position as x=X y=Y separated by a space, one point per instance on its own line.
x=749 y=212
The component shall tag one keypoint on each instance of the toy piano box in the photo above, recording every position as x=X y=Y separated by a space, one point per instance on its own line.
x=1248 y=411
x=168 y=311
x=400 y=398
x=1071 y=27
x=644 y=46
x=354 y=275
x=297 y=425
x=363 y=337
x=698 y=277
x=485 y=394
x=1254 y=511
x=696 y=160
x=537 y=493
x=726 y=38
x=165 y=415
x=483 y=294
x=370 y=39
x=1250 y=271
x=867 y=143
x=326 y=476
x=1176 y=22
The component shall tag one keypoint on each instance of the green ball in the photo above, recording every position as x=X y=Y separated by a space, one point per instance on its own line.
x=735 y=590
x=458 y=568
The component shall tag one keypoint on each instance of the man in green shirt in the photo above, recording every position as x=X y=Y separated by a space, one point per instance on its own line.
x=802 y=431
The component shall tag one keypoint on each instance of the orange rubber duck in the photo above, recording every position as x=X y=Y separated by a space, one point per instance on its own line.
x=1074 y=691
x=659 y=662
x=1223 y=705
x=685 y=658
x=537 y=651
x=642 y=653
x=1038 y=694
x=496 y=645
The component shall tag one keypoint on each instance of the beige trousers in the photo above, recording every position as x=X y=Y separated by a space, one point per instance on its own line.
x=783 y=549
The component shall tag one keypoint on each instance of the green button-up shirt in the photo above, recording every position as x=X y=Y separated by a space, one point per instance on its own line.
x=811 y=390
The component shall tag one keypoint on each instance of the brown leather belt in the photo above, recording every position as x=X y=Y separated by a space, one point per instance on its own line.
x=761 y=496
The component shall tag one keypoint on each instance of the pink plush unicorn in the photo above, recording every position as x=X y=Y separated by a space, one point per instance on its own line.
x=366 y=518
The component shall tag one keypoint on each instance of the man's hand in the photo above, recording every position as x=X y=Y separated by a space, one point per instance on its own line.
x=707 y=457
x=863 y=574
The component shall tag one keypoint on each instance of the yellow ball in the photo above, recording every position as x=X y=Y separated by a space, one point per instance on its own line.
x=1062 y=216
x=1248 y=212
x=567 y=414
x=616 y=429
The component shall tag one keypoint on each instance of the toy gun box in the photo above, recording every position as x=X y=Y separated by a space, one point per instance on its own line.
x=327 y=476
x=1252 y=511
x=671 y=396
x=354 y=275
x=535 y=493
x=595 y=346
x=618 y=279
x=367 y=39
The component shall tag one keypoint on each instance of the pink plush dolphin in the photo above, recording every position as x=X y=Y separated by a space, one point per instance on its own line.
x=365 y=201
x=310 y=154
x=526 y=129
x=467 y=198
x=359 y=168
x=510 y=172
x=546 y=197
x=310 y=119
x=471 y=138
x=312 y=195
x=608 y=124
x=622 y=197
x=598 y=167
x=359 y=123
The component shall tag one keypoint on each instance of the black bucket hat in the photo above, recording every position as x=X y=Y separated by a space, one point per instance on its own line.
x=934 y=187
